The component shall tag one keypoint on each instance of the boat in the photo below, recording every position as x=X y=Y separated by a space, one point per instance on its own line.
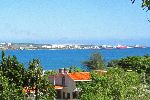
x=121 y=47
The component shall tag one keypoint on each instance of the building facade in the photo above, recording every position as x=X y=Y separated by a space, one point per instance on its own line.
x=65 y=83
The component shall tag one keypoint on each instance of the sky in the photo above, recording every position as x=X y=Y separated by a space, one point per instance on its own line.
x=74 y=21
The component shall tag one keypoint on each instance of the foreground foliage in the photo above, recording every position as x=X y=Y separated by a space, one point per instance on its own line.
x=121 y=82
x=117 y=84
x=11 y=78
x=139 y=64
x=145 y=4
x=14 y=77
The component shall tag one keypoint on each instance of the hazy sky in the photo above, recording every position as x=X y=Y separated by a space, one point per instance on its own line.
x=78 y=21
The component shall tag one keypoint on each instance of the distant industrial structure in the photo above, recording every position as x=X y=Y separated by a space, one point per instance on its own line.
x=31 y=46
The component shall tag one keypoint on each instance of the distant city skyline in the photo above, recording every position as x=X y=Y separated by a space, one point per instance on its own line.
x=74 y=21
x=113 y=42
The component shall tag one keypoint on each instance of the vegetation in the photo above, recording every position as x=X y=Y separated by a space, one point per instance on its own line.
x=145 y=4
x=50 y=72
x=11 y=78
x=74 y=69
x=8 y=91
x=95 y=62
x=117 y=84
x=121 y=82
x=139 y=64
x=14 y=77
x=126 y=79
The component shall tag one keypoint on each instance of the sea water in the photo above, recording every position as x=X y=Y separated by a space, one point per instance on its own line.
x=55 y=59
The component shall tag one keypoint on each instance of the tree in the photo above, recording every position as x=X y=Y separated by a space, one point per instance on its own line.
x=74 y=69
x=113 y=63
x=9 y=91
x=145 y=4
x=135 y=63
x=95 y=62
x=14 y=77
x=117 y=84
x=11 y=78
x=139 y=64
x=35 y=78
x=12 y=69
x=50 y=72
x=47 y=91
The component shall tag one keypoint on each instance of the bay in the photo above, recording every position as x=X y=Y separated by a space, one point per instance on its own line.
x=55 y=59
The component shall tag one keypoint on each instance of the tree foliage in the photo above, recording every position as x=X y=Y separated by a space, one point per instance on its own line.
x=117 y=84
x=14 y=77
x=50 y=72
x=95 y=62
x=8 y=90
x=11 y=78
x=113 y=63
x=74 y=69
x=35 y=78
x=12 y=69
x=145 y=4
x=140 y=64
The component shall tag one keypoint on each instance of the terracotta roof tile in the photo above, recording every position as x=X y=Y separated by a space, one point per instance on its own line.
x=80 y=75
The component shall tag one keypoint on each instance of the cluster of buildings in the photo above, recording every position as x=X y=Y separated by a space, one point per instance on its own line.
x=31 y=46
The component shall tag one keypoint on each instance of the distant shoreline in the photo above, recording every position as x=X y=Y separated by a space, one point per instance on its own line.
x=75 y=49
x=31 y=46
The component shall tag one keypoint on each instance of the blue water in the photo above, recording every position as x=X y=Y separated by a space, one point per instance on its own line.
x=55 y=59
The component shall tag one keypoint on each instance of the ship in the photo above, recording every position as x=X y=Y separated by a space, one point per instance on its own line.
x=121 y=47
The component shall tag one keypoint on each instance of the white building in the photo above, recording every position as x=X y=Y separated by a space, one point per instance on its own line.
x=47 y=46
x=65 y=83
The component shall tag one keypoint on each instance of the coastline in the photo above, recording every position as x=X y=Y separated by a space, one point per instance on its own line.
x=32 y=46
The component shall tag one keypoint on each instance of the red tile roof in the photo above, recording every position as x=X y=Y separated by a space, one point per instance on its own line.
x=80 y=76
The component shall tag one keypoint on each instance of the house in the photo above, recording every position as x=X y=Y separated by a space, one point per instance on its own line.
x=65 y=83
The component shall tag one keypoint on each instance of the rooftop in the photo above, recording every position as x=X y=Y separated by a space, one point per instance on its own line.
x=80 y=76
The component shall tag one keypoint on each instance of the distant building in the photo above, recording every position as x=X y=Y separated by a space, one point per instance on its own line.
x=47 y=46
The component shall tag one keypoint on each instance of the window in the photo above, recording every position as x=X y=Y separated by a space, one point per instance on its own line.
x=68 y=95
x=64 y=95
x=58 y=94
x=63 y=81
x=74 y=94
